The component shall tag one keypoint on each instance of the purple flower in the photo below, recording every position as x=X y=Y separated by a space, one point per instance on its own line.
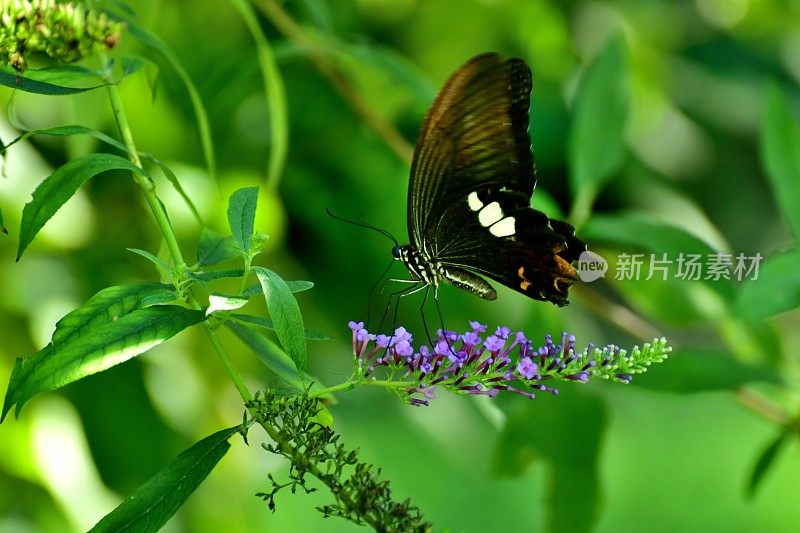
x=527 y=368
x=442 y=348
x=477 y=327
x=494 y=343
x=382 y=341
x=458 y=363
x=503 y=332
x=400 y=334
x=471 y=338
x=404 y=348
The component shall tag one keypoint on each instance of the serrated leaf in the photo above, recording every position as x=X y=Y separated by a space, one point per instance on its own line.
x=294 y=286
x=111 y=304
x=95 y=349
x=162 y=267
x=597 y=132
x=215 y=248
x=547 y=428
x=777 y=288
x=59 y=187
x=780 y=155
x=268 y=324
x=285 y=314
x=698 y=370
x=47 y=81
x=242 y=215
x=224 y=302
x=269 y=353
x=766 y=460
x=155 y=502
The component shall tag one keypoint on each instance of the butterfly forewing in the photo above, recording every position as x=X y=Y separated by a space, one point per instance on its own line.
x=471 y=182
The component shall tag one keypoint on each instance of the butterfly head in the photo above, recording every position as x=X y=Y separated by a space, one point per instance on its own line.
x=397 y=252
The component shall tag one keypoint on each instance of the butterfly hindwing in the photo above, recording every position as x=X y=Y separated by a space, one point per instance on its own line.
x=519 y=247
x=471 y=183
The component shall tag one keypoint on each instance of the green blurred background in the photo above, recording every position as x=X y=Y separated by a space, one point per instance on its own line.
x=672 y=451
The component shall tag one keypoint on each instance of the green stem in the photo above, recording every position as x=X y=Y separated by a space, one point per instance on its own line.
x=146 y=184
x=168 y=233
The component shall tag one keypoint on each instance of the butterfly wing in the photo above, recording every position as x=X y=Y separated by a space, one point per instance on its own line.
x=471 y=182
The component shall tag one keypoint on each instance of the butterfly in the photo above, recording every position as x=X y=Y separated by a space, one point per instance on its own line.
x=469 y=194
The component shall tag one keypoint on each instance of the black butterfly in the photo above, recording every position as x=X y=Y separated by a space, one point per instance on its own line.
x=469 y=194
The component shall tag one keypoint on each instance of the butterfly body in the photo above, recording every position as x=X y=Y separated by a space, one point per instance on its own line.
x=470 y=189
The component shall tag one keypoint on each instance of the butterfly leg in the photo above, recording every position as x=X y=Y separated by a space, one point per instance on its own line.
x=416 y=287
x=422 y=314
x=374 y=294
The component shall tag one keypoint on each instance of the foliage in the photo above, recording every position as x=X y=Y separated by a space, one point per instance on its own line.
x=667 y=131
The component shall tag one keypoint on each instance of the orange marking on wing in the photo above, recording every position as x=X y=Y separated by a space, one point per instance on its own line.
x=525 y=283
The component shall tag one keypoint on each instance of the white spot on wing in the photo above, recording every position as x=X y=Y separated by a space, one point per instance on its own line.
x=490 y=214
x=504 y=228
x=474 y=202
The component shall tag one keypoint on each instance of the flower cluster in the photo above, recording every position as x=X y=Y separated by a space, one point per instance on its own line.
x=65 y=31
x=468 y=363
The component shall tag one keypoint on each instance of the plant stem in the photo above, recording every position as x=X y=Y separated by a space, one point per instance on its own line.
x=146 y=184
x=167 y=232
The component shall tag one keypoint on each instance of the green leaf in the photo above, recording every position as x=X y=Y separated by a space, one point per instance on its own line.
x=132 y=63
x=151 y=41
x=777 y=288
x=285 y=314
x=162 y=267
x=545 y=429
x=111 y=304
x=269 y=353
x=173 y=180
x=3 y=223
x=224 y=302
x=268 y=324
x=242 y=215
x=46 y=81
x=597 y=134
x=294 y=286
x=275 y=93
x=702 y=370
x=66 y=131
x=155 y=502
x=766 y=460
x=59 y=187
x=215 y=248
x=780 y=155
x=95 y=349
x=211 y=275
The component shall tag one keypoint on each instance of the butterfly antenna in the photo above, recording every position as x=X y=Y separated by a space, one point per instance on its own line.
x=363 y=224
